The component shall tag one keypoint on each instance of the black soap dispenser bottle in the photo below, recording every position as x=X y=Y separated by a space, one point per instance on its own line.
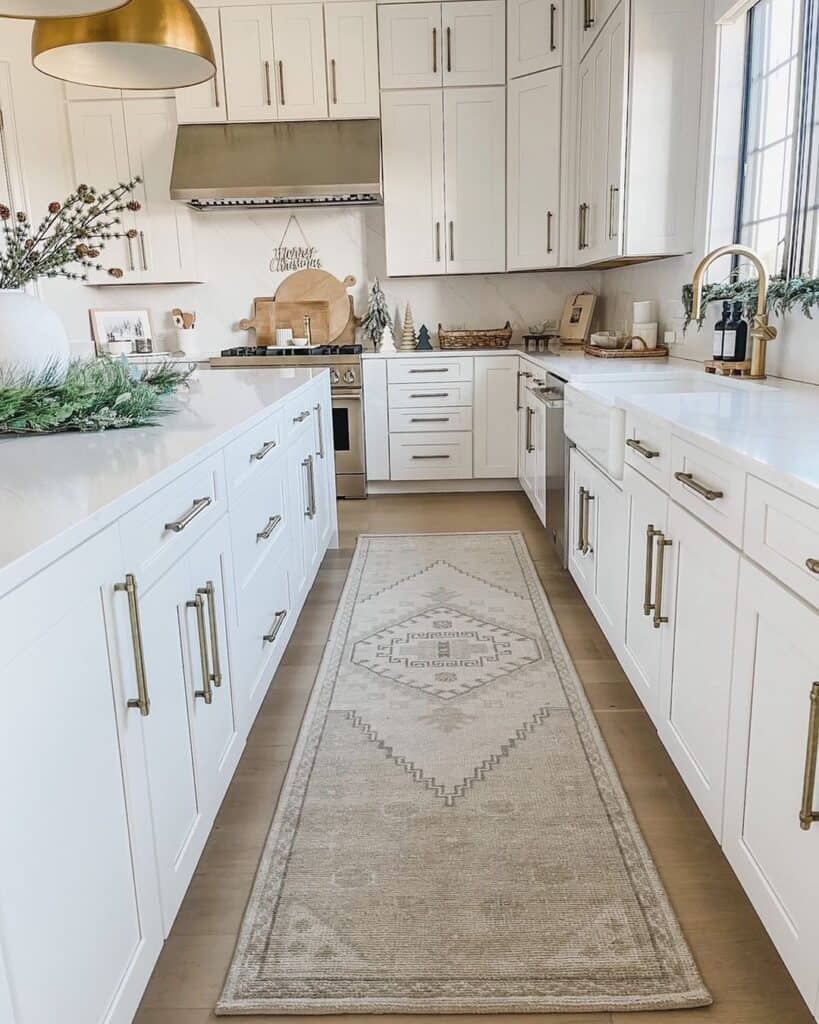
x=739 y=328
x=719 y=331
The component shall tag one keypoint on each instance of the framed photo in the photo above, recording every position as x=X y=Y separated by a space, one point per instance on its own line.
x=575 y=324
x=118 y=331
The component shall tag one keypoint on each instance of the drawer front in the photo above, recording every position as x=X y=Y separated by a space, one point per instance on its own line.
x=434 y=456
x=710 y=487
x=162 y=528
x=648 y=448
x=254 y=452
x=425 y=420
x=438 y=368
x=430 y=396
x=298 y=416
x=259 y=525
x=782 y=535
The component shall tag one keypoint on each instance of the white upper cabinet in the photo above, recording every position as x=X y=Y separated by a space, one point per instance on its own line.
x=351 y=38
x=474 y=42
x=534 y=30
x=205 y=103
x=533 y=171
x=409 y=45
x=475 y=179
x=247 y=52
x=412 y=137
x=298 y=43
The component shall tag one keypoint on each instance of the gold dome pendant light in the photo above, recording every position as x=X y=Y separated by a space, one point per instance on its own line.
x=56 y=8
x=147 y=44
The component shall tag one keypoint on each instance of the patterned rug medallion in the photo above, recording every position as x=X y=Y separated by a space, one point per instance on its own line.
x=452 y=836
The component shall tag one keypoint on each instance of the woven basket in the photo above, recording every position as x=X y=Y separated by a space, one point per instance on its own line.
x=494 y=338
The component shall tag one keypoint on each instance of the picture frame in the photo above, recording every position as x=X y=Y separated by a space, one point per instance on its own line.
x=575 y=324
x=122 y=331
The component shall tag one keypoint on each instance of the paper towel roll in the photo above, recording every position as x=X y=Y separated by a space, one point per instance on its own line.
x=643 y=312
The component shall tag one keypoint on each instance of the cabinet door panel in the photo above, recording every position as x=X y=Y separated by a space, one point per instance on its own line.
x=412 y=136
x=533 y=159
x=298 y=43
x=697 y=659
x=352 y=59
x=591 y=19
x=247 y=51
x=535 y=29
x=613 y=40
x=586 y=145
x=610 y=520
x=495 y=417
x=165 y=249
x=205 y=103
x=409 y=45
x=776 y=664
x=581 y=525
x=475 y=179
x=474 y=35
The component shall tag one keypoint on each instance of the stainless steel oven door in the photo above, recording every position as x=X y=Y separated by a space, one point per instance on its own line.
x=348 y=432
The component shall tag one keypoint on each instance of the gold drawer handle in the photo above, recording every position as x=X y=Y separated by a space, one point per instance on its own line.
x=302 y=416
x=662 y=544
x=587 y=498
x=317 y=410
x=440 y=369
x=687 y=480
x=429 y=419
x=278 y=622
x=206 y=693
x=651 y=533
x=638 y=446
x=199 y=505
x=812 y=565
x=272 y=523
x=142 y=701
x=430 y=456
x=807 y=814
x=266 y=448
x=209 y=593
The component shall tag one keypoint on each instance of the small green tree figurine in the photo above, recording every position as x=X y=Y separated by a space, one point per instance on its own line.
x=377 y=316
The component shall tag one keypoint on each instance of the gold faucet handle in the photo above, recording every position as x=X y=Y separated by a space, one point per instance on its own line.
x=762 y=329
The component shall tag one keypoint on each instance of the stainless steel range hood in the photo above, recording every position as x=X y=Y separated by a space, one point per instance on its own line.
x=284 y=163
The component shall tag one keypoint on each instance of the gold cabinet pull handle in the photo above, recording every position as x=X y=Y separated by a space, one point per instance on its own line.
x=581 y=501
x=302 y=416
x=638 y=446
x=662 y=544
x=266 y=448
x=588 y=497
x=268 y=92
x=529 y=416
x=448 y=48
x=319 y=421
x=178 y=525
x=807 y=815
x=648 y=604
x=451 y=240
x=429 y=419
x=209 y=593
x=206 y=693
x=434 y=50
x=142 y=701
x=583 y=226
x=437 y=241
x=687 y=480
x=548 y=231
x=278 y=622
x=131 y=264
x=333 y=80
x=552 y=44
x=812 y=565
x=310 y=511
x=614 y=192
x=142 y=250
x=281 y=81
x=266 y=533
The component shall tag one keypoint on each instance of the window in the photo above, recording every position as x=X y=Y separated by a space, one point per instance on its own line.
x=778 y=195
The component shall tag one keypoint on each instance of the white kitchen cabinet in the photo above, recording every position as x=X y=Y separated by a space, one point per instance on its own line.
x=581 y=524
x=324 y=471
x=647 y=588
x=351 y=38
x=247 y=53
x=376 y=418
x=475 y=179
x=205 y=103
x=76 y=853
x=534 y=30
x=409 y=45
x=533 y=171
x=532 y=451
x=776 y=668
x=697 y=658
x=593 y=16
x=495 y=417
x=298 y=44
x=305 y=514
x=474 y=42
x=412 y=137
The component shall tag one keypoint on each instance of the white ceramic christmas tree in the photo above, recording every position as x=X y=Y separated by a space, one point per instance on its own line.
x=408 y=338
x=387 y=345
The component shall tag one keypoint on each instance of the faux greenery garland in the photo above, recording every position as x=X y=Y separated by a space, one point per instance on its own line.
x=784 y=295
x=98 y=394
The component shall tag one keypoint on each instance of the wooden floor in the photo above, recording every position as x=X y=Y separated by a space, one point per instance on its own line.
x=739 y=963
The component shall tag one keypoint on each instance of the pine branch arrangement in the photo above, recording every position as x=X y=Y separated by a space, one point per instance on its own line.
x=68 y=240
x=377 y=316
x=784 y=295
x=96 y=394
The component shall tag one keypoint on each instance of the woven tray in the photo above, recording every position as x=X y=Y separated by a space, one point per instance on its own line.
x=626 y=353
x=494 y=338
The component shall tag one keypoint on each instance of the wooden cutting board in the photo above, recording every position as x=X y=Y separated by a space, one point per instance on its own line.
x=263 y=321
x=320 y=286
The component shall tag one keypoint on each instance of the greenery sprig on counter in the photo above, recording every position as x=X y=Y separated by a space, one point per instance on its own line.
x=97 y=394
x=784 y=295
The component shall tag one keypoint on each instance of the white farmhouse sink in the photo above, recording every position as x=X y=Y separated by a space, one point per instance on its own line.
x=596 y=422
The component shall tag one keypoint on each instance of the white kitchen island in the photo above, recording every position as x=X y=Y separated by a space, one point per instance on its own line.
x=149 y=582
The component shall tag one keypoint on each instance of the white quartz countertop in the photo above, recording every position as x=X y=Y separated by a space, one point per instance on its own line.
x=57 y=490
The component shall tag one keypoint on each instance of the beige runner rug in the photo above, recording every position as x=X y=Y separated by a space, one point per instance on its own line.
x=452 y=836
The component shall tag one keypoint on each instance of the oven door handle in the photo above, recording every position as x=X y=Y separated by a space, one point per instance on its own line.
x=352 y=396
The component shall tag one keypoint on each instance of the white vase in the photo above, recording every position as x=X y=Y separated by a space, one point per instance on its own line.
x=31 y=335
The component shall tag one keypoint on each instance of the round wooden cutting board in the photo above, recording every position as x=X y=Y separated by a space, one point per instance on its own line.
x=320 y=286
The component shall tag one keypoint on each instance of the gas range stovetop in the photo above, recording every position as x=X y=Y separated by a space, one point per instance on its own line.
x=275 y=352
x=343 y=361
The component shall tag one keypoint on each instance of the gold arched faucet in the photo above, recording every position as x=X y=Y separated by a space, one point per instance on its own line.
x=761 y=331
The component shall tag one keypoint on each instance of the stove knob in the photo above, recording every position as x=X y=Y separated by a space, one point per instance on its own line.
x=334 y=377
x=349 y=376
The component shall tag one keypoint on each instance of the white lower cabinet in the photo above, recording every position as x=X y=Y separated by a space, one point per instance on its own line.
x=532 y=452
x=495 y=417
x=776 y=669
